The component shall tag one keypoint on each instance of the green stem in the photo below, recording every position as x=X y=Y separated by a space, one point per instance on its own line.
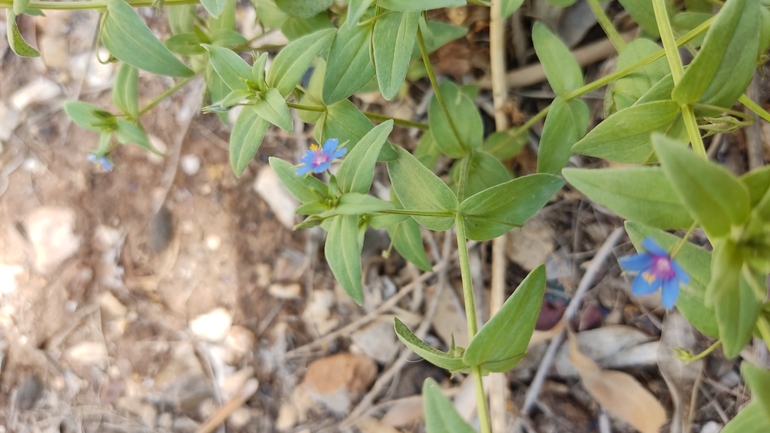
x=753 y=106
x=691 y=358
x=612 y=33
x=316 y=108
x=95 y=4
x=470 y=315
x=400 y=122
x=170 y=91
x=764 y=329
x=681 y=242
x=677 y=72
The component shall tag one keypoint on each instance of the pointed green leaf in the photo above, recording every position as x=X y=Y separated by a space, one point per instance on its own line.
x=89 y=116
x=629 y=89
x=356 y=171
x=15 y=40
x=696 y=262
x=644 y=15
x=485 y=172
x=625 y=136
x=248 y=131
x=214 y=7
x=465 y=117
x=497 y=210
x=505 y=144
x=565 y=124
x=345 y=122
x=125 y=93
x=233 y=70
x=129 y=39
x=440 y=415
x=561 y=69
x=427 y=151
x=723 y=67
x=393 y=41
x=295 y=28
x=418 y=5
x=757 y=182
x=129 y=133
x=634 y=193
x=751 y=419
x=436 y=35
x=737 y=309
x=502 y=341
x=273 y=108
x=19 y=6
x=349 y=66
x=180 y=18
x=408 y=242
x=758 y=380
x=354 y=203
x=290 y=64
x=509 y=7
x=711 y=194
x=343 y=253
x=303 y=8
x=307 y=189
x=418 y=189
x=430 y=354
x=357 y=9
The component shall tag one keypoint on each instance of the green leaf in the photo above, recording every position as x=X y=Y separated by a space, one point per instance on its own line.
x=683 y=22
x=723 y=67
x=430 y=354
x=357 y=9
x=629 y=89
x=565 y=124
x=644 y=15
x=502 y=341
x=737 y=309
x=725 y=270
x=757 y=182
x=440 y=415
x=180 y=18
x=354 y=203
x=129 y=39
x=89 y=116
x=408 y=242
x=418 y=5
x=356 y=171
x=290 y=64
x=295 y=28
x=485 y=172
x=248 y=131
x=752 y=419
x=418 y=189
x=758 y=380
x=125 y=93
x=19 y=6
x=15 y=40
x=214 y=7
x=306 y=189
x=712 y=195
x=625 y=136
x=634 y=193
x=233 y=70
x=225 y=20
x=696 y=262
x=128 y=133
x=258 y=71
x=345 y=122
x=427 y=151
x=436 y=35
x=186 y=44
x=660 y=91
x=465 y=117
x=349 y=66
x=510 y=6
x=561 y=69
x=393 y=41
x=273 y=108
x=505 y=144
x=303 y=8
x=343 y=253
x=496 y=210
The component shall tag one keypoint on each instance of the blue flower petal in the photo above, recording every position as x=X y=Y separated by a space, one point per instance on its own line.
x=681 y=275
x=339 y=153
x=650 y=245
x=308 y=157
x=670 y=293
x=330 y=146
x=320 y=168
x=637 y=262
x=303 y=170
x=640 y=286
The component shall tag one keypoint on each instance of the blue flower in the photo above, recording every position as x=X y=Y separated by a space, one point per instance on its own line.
x=656 y=268
x=319 y=160
x=101 y=161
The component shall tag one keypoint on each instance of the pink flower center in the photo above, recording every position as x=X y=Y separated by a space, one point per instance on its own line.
x=662 y=268
x=320 y=158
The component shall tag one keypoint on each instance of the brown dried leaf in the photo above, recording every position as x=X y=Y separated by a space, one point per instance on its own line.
x=618 y=392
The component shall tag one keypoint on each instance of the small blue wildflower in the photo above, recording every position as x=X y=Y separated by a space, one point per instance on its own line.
x=656 y=268
x=319 y=160
x=101 y=161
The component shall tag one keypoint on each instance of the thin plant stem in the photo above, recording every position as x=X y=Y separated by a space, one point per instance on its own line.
x=170 y=91
x=692 y=358
x=764 y=329
x=609 y=29
x=88 y=5
x=681 y=242
x=371 y=116
x=753 y=106
x=470 y=315
x=303 y=107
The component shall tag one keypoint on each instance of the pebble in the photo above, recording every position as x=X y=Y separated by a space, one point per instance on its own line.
x=212 y=326
x=285 y=291
x=239 y=418
x=50 y=230
x=337 y=380
x=29 y=393
x=37 y=91
x=8 y=275
x=88 y=353
x=281 y=202
x=213 y=242
x=190 y=164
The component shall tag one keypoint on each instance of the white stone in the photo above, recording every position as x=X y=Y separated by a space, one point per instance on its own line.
x=280 y=200
x=285 y=291
x=212 y=326
x=213 y=242
x=8 y=275
x=88 y=353
x=9 y=120
x=50 y=230
x=37 y=91
x=190 y=164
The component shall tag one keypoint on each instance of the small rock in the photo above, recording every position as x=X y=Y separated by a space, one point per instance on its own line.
x=530 y=245
x=239 y=418
x=111 y=306
x=37 y=91
x=190 y=164
x=50 y=230
x=88 y=353
x=29 y=393
x=280 y=200
x=233 y=383
x=213 y=242
x=337 y=380
x=212 y=326
x=377 y=340
x=240 y=340
x=8 y=275
x=711 y=427
x=287 y=417
x=264 y=274
x=318 y=311
x=9 y=120
x=285 y=291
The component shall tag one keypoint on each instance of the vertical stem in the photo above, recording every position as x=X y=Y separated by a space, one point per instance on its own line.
x=604 y=21
x=470 y=314
x=170 y=91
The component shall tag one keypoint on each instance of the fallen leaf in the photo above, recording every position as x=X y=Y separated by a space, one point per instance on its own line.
x=618 y=392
